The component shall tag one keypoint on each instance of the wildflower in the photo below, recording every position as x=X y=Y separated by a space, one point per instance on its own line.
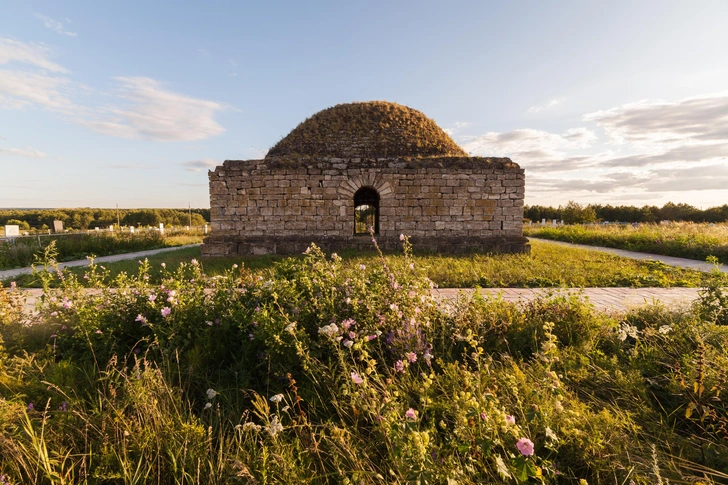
x=63 y=406
x=211 y=393
x=276 y=398
x=31 y=406
x=194 y=262
x=348 y=323
x=85 y=276
x=401 y=237
x=66 y=303
x=362 y=267
x=356 y=378
x=54 y=314
x=550 y=434
x=291 y=327
x=428 y=358
x=411 y=414
x=166 y=311
x=285 y=408
x=347 y=343
x=399 y=366
x=209 y=323
x=510 y=419
x=251 y=336
x=248 y=425
x=275 y=426
x=164 y=265
x=483 y=416
x=371 y=337
x=208 y=405
x=98 y=331
x=627 y=330
x=141 y=318
x=411 y=357
x=665 y=329
x=152 y=297
x=329 y=330
x=525 y=446
x=140 y=261
x=54 y=336
x=235 y=266
x=137 y=351
x=63 y=327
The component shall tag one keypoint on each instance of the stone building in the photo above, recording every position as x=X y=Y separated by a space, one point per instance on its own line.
x=363 y=167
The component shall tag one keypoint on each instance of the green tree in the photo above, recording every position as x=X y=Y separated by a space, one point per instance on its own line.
x=575 y=213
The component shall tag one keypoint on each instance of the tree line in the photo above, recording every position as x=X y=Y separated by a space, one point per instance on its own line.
x=86 y=218
x=575 y=213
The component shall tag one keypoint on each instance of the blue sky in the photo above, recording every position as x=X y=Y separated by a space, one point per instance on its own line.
x=132 y=102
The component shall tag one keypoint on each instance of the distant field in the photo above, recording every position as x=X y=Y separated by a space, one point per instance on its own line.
x=548 y=265
x=22 y=252
x=680 y=239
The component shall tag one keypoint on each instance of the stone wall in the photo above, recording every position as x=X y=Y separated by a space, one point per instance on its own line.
x=445 y=204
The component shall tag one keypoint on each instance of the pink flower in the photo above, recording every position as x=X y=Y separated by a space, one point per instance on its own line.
x=356 y=378
x=66 y=303
x=362 y=267
x=411 y=357
x=166 y=311
x=399 y=366
x=140 y=318
x=401 y=237
x=152 y=297
x=411 y=414
x=525 y=446
x=483 y=416
x=510 y=419
x=99 y=332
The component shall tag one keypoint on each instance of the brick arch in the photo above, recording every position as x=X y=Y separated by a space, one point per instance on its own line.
x=348 y=188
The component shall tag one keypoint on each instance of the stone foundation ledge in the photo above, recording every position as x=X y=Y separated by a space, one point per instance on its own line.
x=234 y=245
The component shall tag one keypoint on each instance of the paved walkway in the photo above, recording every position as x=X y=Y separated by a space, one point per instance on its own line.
x=610 y=300
x=669 y=260
x=606 y=299
x=11 y=273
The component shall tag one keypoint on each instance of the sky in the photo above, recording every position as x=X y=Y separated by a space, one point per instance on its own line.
x=131 y=103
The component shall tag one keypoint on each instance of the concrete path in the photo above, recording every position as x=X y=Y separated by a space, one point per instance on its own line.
x=610 y=300
x=669 y=260
x=11 y=273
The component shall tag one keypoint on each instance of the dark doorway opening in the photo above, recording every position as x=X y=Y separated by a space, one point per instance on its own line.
x=366 y=211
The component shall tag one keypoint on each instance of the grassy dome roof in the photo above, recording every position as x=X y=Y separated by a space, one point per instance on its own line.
x=374 y=129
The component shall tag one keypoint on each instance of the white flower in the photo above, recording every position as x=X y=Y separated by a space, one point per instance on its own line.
x=665 y=329
x=550 y=434
x=627 y=330
x=208 y=322
x=275 y=426
x=208 y=405
x=248 y=425
x=291 y=327
x=276 y=398
x=329 y=330
x=211 y=393
x=348 y=343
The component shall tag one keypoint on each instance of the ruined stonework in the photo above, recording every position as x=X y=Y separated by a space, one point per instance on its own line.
x=446 y=203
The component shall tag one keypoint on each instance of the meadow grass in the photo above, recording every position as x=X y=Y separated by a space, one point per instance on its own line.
x=680 y=239
x=23 y=251
x=548 y=265
x=326 y=372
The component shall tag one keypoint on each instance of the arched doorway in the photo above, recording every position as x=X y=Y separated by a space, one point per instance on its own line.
x=366 y=210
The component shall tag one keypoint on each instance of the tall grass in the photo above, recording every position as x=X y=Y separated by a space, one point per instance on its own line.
x=22 y=251
x=680 y=239
x=548 y=265
x=319 y=372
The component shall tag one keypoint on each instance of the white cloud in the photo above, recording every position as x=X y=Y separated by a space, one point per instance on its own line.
x=54 y=25
x=27 y=152
x=529 y=146
x=143 y=108
x=695 y=120
x=27 y=53
x=197 y=165
x=550 y=104
x=21 y=89
x=157 y=114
